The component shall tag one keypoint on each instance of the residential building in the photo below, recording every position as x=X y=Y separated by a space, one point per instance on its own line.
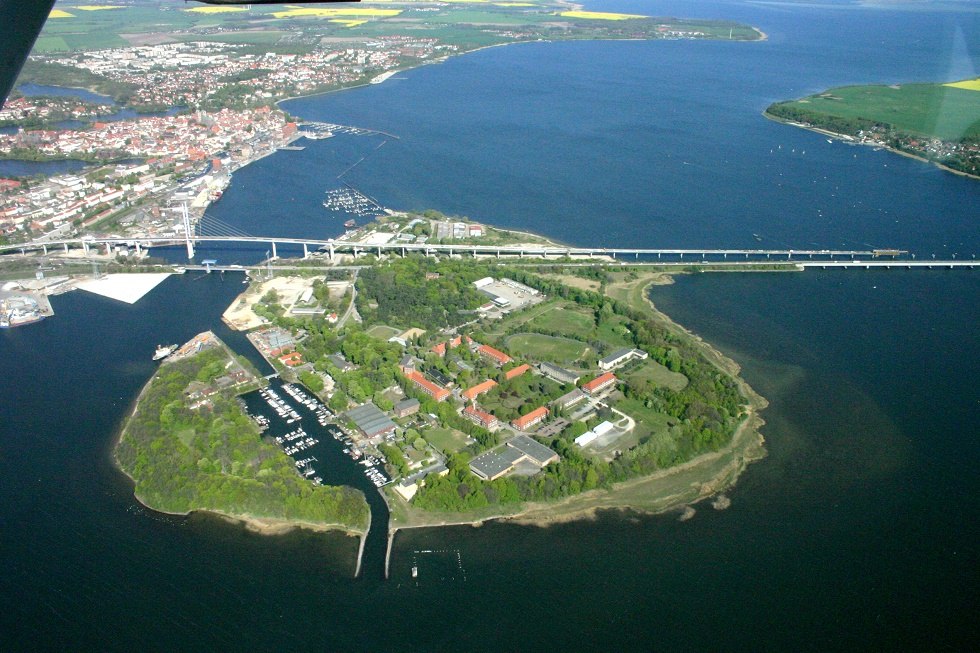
x=497 y=356
x=600 y=383
x=484 y=419
x=407 y=407
x=471 y=394
x=559 y=374
x=527 y=421
x=428 y=387
x=517 y=371
x=620 y=357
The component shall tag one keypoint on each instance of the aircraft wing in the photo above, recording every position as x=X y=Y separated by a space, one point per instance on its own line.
x=25 y=18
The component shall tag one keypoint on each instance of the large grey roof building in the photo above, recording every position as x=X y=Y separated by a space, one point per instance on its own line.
x=370 y=420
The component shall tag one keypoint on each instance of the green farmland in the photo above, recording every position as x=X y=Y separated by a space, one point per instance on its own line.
x=932 y=110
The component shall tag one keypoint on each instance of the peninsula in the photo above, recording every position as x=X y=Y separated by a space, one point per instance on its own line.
x=939 y=123
x=189 y=446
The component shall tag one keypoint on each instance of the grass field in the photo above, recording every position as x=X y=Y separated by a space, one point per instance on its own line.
x=648 y=421
x=566 y=319
x=653 y=373
x=936 y=110
x=446 y=440
x=382 y=332
x=546 y=348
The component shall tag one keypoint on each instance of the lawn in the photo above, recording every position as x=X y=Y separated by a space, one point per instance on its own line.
x=546 y=348
x=445 y=440
x=653 y=373
x=649 y=421
x=383 y=332
x=566 y=319
x=614 y=332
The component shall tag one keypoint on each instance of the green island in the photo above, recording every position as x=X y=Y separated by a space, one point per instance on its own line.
x=189 y=446
x=583 y=346
x=939 y=123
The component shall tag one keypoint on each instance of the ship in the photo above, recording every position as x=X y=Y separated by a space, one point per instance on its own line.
x=350 y=224
x=163 y=351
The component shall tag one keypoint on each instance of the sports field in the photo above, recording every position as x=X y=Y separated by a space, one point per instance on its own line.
x=546 y=348
x=567 y=319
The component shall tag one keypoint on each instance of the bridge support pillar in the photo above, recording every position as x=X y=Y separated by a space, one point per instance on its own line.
x=403 y=252
x=614 y=256
x=474 y=252
x=379 y=251
x=139 y=249
x=66 y=248
x=725 y=255
x=306 y=251
x=84 y=246
x=108 y=249
x=275 y=255
x=45 y=248
x=355 y=252
x=637 y=255
x=331 y=251
x=498 y=253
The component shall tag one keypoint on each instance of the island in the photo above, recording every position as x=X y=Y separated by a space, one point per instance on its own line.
x=939 y=123
x=470 y=388
x=189 y=446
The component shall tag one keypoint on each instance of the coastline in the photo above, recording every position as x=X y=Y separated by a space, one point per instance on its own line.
x=262 y=525
x=673 y=488
x=850 y=140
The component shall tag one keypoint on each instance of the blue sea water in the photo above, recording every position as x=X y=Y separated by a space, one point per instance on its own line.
x=858 y=532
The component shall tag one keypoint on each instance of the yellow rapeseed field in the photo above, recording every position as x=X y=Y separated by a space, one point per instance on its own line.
x=329 y=12
x=216 y=10
x=97 y=7
x=968 y=84
x=57 y=13
x=599 y=15
x=347 y=23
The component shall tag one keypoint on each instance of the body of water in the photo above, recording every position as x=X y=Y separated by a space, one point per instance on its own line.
x=858 y=531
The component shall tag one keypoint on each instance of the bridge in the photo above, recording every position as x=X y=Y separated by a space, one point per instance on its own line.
x=333 y=247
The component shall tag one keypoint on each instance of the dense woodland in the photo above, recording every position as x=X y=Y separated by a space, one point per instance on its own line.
x=213 y=457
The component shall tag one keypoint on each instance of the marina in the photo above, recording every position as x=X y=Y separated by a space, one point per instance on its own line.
x=280 y=409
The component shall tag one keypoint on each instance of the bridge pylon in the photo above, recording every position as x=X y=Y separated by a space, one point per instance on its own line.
x=187 y=232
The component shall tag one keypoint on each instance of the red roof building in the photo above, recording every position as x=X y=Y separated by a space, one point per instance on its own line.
x=292 y=359
x=494 y=354
x=529 y=420
x=479 y=389
x=428 y=387
x=600 y=383
x=517 y=371
x=484 y=419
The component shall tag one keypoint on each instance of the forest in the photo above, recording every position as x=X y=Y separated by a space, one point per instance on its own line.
x=213 y=457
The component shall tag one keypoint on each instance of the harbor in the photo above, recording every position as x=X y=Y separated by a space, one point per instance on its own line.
x=323 y=450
